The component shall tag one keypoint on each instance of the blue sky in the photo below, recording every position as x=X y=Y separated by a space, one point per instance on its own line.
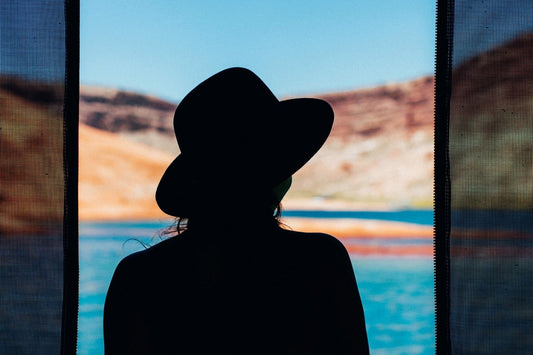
x=165 y=48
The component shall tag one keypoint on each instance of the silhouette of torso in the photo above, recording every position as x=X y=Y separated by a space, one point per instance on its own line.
x=228 y=291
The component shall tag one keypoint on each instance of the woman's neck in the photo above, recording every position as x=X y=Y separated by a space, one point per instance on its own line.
x=242 y=220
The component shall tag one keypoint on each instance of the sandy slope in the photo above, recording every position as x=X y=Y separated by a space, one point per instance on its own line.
x=117 y=177
x=380 y=149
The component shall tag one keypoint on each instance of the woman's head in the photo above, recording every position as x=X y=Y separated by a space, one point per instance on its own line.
x=229 y=218
x=238 y=143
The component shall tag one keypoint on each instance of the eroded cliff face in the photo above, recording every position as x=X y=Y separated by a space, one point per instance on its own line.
x=31 y=162
x=140 y=118
x=491 y=128
x=380 y=149
x=380 y=152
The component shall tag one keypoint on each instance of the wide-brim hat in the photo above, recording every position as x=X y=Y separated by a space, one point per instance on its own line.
x=237 y=139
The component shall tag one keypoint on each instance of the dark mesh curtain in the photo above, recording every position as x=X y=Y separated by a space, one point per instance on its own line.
x=38 y=176
x=484 y=177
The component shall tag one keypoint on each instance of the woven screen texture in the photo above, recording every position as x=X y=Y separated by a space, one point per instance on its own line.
x=38 y=241
x=485 y=202
x=484 y=182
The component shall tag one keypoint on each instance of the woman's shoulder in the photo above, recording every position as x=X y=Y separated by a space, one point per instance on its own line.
x=129 y=264
x=317 y=237
x=153 y=252
x=321 y=241
x=322 y=251
x=134 y=259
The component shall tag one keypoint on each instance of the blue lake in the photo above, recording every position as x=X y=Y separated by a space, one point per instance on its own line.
x=423 y=217
x=397 y=292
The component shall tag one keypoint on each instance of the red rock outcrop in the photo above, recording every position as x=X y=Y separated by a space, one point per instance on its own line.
x=380 y=150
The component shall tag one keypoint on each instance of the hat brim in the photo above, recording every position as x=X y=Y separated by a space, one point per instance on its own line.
x=300 y=127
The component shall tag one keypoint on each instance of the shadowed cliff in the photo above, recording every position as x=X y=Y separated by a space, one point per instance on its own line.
x=380 y=151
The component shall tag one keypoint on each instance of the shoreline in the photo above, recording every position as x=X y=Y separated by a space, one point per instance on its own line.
x=150 y=210
x=340 y=228
x=360 y=237
x=350 y=228
x=324 y=204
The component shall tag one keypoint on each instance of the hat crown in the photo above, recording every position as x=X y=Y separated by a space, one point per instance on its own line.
x=231 y=110
x=237 y=139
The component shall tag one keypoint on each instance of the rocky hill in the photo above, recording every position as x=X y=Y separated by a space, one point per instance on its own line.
x=31 y=169
x=140 y=118
x=380 y=151
x=118 y=177
x=379 y=154
x=491 y=128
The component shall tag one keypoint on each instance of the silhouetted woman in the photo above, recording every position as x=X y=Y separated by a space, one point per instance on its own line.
x=235 y=282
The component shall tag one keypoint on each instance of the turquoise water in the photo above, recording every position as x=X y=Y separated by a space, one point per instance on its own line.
x=424 y=217
x=397 y=292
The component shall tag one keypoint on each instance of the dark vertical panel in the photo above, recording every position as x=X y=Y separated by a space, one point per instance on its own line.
x=443 y=62
x=70 y=158
x=35 y=113
x=491 y=186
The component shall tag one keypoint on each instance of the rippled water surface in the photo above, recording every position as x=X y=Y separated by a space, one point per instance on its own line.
x=397 y=292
